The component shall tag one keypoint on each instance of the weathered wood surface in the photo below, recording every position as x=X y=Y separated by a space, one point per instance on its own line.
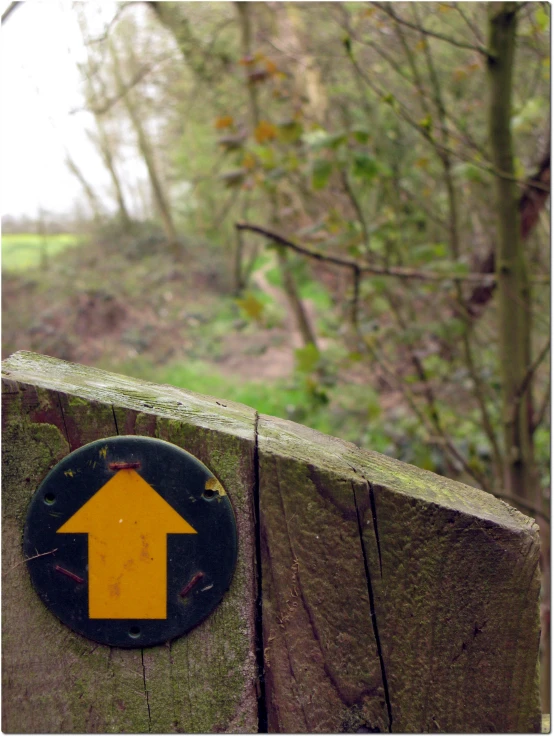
x=56 y=680
x=392 y=599
x=417 y=596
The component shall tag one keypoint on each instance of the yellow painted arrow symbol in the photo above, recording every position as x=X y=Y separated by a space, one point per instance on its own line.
x=127 y=523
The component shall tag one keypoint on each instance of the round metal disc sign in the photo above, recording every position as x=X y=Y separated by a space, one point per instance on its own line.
x=130 y=541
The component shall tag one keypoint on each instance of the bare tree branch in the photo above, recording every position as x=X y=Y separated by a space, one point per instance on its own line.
x=10 y=9
x=454 y=42
x=529 y=376
x=473 y=28
x=402 y=112
x=104 y=36
x=462 y=134
x=399 y=272
x=109 y=103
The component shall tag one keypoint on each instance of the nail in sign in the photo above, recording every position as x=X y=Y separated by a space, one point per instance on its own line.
x=131 y=541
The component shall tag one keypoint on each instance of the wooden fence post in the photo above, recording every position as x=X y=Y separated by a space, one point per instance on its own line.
x=391 y=599
x=56 y=680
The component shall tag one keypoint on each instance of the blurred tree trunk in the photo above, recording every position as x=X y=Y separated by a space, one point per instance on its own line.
x=514 y=292
x=91 y=195
x=160 y=200
x=297 y=308
x=171 y=15
x=245 y=20
x=105 y=148
x=309 y=91
x=295 y=301
x=95 y=103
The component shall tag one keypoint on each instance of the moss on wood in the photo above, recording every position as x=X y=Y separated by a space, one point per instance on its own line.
x=452 y=578
x=203 y=682
x=393 y=599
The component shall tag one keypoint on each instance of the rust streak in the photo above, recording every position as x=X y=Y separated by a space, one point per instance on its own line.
x=192 y=583
x=122 y=465
x=74 y=576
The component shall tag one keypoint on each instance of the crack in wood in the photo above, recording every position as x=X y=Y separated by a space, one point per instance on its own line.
x=518 y=573
x=326 y=668
x=375 y=527
x=63 y=420
x=115 y=420
x=258 y=618
x=372 y=607
x=283 y=633
x=146 y=690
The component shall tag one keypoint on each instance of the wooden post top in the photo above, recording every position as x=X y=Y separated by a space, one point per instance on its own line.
x=281 y=437
x=369 y=595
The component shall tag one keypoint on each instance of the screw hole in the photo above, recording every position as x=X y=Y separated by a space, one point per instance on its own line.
x=134 y=632
x=49 y=498
x=209 y=494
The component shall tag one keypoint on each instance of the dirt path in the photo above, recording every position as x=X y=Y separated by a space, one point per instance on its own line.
x=267 y=354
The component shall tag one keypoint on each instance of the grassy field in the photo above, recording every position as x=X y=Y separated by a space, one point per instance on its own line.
x=22 y=251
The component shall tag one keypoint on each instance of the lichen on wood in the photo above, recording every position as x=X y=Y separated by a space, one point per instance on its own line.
x=392 y=599
x=57 y=681
x=449 y=616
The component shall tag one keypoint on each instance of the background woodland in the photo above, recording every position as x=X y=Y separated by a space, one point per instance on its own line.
x=341 y=217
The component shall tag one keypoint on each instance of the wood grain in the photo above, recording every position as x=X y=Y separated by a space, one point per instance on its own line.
x=391 y=599
x=57 y=681
x=417 y=596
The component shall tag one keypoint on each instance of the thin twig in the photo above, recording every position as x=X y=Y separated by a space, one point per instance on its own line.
x=109 y=102
x=104 y=36
x=399 y=272
x=220 y=217
x=402 y=112
x=469 y=23
x=39 y=555
x=440 y=36
x=478 y=390
x=430 y=214
x=357 y=207
x=479 y=393
x=445 y=441
x=463 y=136
x=520 y=393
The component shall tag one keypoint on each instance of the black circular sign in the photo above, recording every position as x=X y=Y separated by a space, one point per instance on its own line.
x=130 y=541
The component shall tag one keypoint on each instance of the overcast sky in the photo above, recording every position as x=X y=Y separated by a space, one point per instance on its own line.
x=40 y=45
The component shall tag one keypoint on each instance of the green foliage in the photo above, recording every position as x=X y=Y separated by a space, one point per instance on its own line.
x=321 y=171
x=542 y=18
x=307 y=358
x=471 y=173
x=429 y=252
x=347 y=153
x=290 y=131
x=530 y=116
x=360 y=135
x=365 y=167
x=543 y=451
x=320 y=139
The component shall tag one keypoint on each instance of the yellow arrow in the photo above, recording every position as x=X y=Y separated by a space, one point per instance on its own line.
x=127 y=523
